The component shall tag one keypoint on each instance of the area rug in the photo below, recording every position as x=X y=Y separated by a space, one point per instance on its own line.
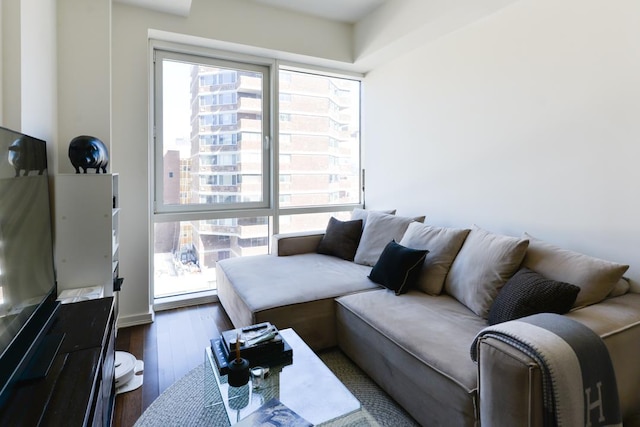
x=182 y=404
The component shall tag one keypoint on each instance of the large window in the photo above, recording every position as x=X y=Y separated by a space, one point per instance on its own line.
x=204 y=108
x=224 y=181
x=319 y=147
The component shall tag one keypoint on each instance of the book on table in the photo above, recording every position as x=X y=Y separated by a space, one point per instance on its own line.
x=261 y=345
x=255 y=340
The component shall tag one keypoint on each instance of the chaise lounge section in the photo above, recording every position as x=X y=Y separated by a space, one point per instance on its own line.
x=290 y=292
x=415 y=343
x=296 y=292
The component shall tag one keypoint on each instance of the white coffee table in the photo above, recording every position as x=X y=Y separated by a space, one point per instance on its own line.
x=307 y=386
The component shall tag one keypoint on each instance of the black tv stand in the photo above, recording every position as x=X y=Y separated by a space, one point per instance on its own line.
x=79 y=388
x=42 y=360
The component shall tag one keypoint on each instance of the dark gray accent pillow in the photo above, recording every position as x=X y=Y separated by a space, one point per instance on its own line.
x=341 y=238
x=398 y=267
x=528 y=292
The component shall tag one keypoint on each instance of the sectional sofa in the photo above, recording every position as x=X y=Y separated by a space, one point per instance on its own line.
x=406 y=301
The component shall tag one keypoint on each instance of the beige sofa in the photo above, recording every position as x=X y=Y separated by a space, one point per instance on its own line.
x=416 y=344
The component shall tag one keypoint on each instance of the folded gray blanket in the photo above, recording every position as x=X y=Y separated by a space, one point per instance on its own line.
x=579 y=384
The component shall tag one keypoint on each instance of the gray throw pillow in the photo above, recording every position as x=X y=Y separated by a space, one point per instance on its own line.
x=483 y=265
x=378 y=231
x=443 y=245
x=595 y=277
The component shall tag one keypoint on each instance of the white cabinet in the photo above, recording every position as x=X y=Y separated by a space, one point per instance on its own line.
x=87 y=231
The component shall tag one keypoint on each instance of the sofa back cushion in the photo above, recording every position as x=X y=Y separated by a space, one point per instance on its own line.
x=379 y=230
x=483 y=265
x=620 y=288
x=595 y=277
x=443 y=245
x=363 y=214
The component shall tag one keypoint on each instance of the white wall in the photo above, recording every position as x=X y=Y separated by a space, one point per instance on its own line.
x=524 y=121
x=84 y=74
x=11 y=57
x=28 y=69
x=240 y=23
x=39 y=92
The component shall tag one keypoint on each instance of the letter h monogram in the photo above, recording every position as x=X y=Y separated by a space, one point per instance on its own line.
x=597 y=404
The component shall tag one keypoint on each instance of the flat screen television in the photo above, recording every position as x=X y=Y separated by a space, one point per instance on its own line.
x=27 y=276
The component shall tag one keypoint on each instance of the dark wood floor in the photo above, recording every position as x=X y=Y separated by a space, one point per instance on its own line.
x=170 y=347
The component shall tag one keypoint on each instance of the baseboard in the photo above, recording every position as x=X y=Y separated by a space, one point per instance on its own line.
x=166 y=304
x=170 y=303
x=135 y=320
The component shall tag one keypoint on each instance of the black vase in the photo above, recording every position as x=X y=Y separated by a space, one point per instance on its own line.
x=238 y=372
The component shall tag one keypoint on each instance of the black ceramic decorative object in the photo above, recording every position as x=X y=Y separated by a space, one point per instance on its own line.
x=238 y=372
x=88 y=152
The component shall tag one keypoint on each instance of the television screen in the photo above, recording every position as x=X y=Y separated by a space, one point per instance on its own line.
x=27 y=275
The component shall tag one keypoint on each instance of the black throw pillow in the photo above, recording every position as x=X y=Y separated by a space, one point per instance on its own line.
x=528 y=292
x=341 y=238
x=398 y=267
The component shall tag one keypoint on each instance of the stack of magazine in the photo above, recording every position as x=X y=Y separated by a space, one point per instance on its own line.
x=260 y=344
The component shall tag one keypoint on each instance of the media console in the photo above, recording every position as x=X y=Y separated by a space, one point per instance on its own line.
x=79 y=389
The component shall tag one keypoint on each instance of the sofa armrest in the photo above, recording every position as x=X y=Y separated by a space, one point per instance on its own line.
x=295 y=243
x=510 y=382
x=509 y=386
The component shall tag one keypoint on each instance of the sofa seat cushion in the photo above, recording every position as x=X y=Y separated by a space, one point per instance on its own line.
x=436 y=330
x=267 y=281
x=291 y=292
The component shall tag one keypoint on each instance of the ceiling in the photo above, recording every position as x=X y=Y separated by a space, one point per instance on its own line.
x=176 y=7
x=338 y=10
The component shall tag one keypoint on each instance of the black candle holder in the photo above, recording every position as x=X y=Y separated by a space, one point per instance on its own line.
x=238 y=372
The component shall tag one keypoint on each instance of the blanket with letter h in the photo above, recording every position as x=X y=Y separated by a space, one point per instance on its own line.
x=579 y=384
